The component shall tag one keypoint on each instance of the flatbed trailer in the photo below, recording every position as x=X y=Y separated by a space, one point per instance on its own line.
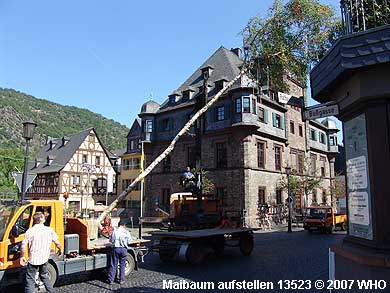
x=193 y=246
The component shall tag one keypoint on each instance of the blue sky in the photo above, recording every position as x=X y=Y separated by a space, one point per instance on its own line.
x=109 y=56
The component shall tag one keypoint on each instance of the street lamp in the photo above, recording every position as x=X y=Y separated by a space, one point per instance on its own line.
x=28 y=133
x=289 y=199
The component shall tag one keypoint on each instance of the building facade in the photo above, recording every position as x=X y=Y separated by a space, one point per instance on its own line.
x=130 y=168
x=250 y=136
x=77 y=167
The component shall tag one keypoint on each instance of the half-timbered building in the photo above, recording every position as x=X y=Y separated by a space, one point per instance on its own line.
x=76 y=168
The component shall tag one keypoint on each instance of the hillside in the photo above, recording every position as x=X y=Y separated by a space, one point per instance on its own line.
x=53 y=120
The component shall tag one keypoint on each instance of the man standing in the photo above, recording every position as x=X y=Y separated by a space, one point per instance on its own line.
x=119 y=239
x=39 y=239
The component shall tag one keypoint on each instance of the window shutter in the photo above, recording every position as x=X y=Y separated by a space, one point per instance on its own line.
x=282 y=122
x=273 y=119
x=265 y=115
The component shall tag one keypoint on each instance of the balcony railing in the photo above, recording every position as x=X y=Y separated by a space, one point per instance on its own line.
x=361 y=15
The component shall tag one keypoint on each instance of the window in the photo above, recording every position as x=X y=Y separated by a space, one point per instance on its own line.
x=300 y=130
x=332 y=140
x=313 y=167
x=323 y=196
x=277 y=120
x=84 y=160
x=322 y=138
x=220 y=113
x=97 y=161
x=125 y=183
x=149 y=126
x=221 y=155
x=261 y=195
x=91 y=138
x=165 y=124
x=75 y=180
x=49 y=180
x=132 y=145
x=323 y=170
x=254 y=106
x=278 y=156
x=191 y=157
x=246 y=105
x=186 y=95
x=313 y=134
x=46 y=211
x=261 y=154
x=167 y=164
x=292 y=127
x=126 y=164
x=99 y=186
x=166 y=196
x=23 y=222
x=261 y=114
x=238 y=105
x=278 y=196
x=301 y=161
x=315 y=196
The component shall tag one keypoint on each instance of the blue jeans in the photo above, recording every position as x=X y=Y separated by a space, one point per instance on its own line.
x=119 y=255
x=43 y=274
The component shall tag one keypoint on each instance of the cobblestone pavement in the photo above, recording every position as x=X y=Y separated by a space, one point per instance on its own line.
x=276 y=256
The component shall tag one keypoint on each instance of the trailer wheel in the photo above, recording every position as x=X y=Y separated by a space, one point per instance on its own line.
x=344 y=226
x=195 y=254
x=246 y=243
x=130 y=265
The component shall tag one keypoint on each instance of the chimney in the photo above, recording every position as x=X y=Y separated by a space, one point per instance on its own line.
x=236 y=51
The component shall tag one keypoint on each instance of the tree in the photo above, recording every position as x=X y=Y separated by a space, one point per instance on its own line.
x=293 y=37
x=337 y=189
x=304 y=182
x=10 y=160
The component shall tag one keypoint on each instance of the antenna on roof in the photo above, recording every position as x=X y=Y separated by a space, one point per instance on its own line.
x=151 y=96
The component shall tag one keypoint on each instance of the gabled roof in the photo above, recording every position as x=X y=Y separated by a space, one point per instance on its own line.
x=61 y=154
x=225 y=65
x=135 y=129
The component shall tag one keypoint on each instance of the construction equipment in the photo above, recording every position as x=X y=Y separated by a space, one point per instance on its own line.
x=80 y=252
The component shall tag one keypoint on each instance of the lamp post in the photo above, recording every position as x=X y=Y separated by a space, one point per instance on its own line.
x=289 y=199
x=28 y=133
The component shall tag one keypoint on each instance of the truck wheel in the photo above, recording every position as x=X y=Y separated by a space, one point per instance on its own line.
x=330 y=229
x=246 y=244
x=195 y=254
x=130 y=265
x=344 y=226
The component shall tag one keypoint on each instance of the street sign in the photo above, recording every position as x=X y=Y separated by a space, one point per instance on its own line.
x=321 y=111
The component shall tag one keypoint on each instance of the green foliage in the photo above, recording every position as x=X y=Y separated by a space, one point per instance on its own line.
x=293 y=37
x=10 y=160
x=53 y=120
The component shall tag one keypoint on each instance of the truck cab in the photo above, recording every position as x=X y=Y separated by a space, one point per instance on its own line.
x=15 y=219
x=323 y=218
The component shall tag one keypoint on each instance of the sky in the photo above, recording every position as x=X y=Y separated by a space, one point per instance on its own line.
x=112 y=56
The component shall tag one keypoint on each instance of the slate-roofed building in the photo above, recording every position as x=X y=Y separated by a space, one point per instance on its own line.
x=77 y=165
x=250 y=137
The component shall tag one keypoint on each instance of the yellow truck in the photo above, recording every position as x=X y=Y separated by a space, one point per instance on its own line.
x=80 y=252
x=324 y=219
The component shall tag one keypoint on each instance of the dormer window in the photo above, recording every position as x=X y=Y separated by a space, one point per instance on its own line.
x=52 y=144
x=49 y=160
x=188 y=94
x=219 y=84
x=206 y=71
x=37 y=163
x=174 y=98
x=64 y=141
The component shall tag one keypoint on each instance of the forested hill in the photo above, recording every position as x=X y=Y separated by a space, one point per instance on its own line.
x=53 y=120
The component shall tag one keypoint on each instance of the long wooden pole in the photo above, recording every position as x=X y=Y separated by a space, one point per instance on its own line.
x=170 y=148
